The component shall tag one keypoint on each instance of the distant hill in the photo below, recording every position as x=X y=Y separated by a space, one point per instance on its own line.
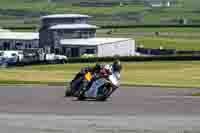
x=104 y=12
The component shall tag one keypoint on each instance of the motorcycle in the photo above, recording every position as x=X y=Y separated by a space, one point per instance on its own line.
x=100 y=89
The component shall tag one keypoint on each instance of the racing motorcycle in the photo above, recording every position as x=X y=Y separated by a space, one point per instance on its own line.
x=100 y=88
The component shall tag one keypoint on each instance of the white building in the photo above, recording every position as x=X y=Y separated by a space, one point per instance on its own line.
x=70 y=35
x=4 y=30
x=101 y=47
x=159 y=3
x=168 y=4
x=67 y=34
x=18 y=40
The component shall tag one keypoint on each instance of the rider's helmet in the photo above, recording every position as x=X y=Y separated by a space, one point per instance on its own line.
x=97 y=67
x=117 y=67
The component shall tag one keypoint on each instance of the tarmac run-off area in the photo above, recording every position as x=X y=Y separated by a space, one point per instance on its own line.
x=44 y=109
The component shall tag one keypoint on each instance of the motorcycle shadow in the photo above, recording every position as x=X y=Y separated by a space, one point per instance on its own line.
x=91 y=100
x=87 y=99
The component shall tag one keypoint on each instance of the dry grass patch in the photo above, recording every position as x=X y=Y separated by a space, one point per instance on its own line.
x=34 y=75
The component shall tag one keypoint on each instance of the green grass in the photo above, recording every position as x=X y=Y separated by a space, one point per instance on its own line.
x=170 y=29
x=170 y=38
x=178 y=74
x=178 y=31
x=18 y=82
x=187 y=8
x=175 y=38
x=196 y=94
x=169 y=43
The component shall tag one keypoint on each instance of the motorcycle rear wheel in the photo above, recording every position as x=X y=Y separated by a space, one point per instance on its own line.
x=68 y=93
x=81 y=97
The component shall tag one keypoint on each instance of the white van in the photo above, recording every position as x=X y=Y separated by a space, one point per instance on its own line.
x=11 y=56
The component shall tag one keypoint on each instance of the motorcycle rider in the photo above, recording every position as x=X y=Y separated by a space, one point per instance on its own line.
x=115 y=67
x=98 y=71
x=101 y=70
x=80 y=75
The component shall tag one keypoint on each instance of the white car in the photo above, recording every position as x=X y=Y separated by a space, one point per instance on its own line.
x=11 y=56
x=53 y=58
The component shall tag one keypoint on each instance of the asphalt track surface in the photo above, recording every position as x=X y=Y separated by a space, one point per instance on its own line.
x=131 y=109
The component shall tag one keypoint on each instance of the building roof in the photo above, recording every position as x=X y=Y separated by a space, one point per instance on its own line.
x=91 y=41
x=4 y=30
x=19 y=35
x=158 y=1
x=65 y=16
x=73 y=26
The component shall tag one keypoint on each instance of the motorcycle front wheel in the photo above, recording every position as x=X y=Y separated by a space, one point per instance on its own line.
x=105 y=93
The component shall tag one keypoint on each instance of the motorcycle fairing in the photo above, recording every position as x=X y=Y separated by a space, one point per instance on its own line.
x=92 y=92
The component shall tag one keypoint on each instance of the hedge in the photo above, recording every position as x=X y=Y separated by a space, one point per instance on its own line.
x=152 y=26
x=110 y=59
x=20 y=28
x=134 y=58
x=119 y=26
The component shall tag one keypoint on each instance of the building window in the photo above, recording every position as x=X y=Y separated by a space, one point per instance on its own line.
x=92 y=34
x=76 y=34
x=67 y=35
x=18 y=45
x=1 y=53
x=6 y=46
x=77 y=21
x=75 y=52
x=26 y=46
x=85 y=35
x=80 y=21
x=90 y=51
x=13 y=54
x=57 y=51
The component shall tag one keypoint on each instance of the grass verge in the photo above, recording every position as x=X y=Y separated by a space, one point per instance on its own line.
x=169 y=43
x=196 y=94
x=166 y=73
